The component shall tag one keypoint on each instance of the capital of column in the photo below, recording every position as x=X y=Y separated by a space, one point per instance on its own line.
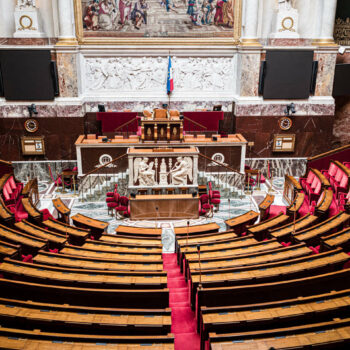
x=66 y=23
x=327 y=24
x=250 y=37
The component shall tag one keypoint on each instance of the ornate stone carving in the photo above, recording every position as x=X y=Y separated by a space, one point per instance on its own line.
x=182 y=169
x=163 y=174
x=212 y=74
x=143 y=172
x=26 y=3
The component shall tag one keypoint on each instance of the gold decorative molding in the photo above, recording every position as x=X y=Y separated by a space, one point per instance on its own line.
x=162 y=41
x=67 y=42
x=324 y=42
x=250 y=42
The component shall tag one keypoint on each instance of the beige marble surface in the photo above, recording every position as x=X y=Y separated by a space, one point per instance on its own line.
x=67 y=74
x=250 y=68
x=325 y=74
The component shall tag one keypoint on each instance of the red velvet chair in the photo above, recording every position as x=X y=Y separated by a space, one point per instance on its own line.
x=123 y=206
x=205 y=205
x=112 y=203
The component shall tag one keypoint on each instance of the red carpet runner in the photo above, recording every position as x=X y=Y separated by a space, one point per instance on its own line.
x=183 y=322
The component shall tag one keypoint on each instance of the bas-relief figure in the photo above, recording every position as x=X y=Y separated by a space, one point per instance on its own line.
x=150 y=18
x=143 y=172
x=181 y=171
x=212 y=74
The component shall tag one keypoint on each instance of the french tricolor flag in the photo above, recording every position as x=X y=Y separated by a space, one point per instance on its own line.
x=170 y=80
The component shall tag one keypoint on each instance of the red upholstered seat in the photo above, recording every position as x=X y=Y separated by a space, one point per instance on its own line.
x=123 y=205
x=46 y=214
x=110 y=194
x=215 y=201
x=27 y=258
x=112 y=204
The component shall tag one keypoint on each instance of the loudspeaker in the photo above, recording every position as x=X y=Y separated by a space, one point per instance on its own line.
x=313 y=77
x=194 y=194
x=215 y=138
x=262 y=77
x=101 y=108
x=1 y=85
x=54 y=75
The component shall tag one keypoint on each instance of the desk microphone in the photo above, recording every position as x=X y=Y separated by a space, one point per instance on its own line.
x=200 y=268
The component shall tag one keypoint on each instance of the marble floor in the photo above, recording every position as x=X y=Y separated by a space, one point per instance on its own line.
x=98 y=210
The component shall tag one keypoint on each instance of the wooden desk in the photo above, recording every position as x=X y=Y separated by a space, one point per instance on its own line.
x=97 y=227
x=6 y=215
x=33 y=212
x=197 y=229
x=239 y=223
x=9 y=250
x=72 y=176
x=259 y=230
x=338 y=239
x=77 y=236
x=325 y=202
x=265 y=205
x=153 y=207
x=291 y=188
x=62 y=210
x=138 y=231
x=296 y=204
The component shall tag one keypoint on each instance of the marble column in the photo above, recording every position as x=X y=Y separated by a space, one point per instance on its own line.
x=66 y=23
x=251 y=23
x=7 y=27
x=327 y=27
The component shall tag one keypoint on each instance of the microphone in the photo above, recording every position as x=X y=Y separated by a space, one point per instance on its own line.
x=200 y=268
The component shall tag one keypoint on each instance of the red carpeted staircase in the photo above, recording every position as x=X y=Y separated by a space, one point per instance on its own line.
x=183 y=322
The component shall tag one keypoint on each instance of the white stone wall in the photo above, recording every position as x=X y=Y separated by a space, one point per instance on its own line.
x=48 y=15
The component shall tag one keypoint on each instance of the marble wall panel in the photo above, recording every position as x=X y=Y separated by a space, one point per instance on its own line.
x=325 y=74
x=273 y=109
x=67 y=74
x=250 y=68
x=341 y=128
x=313 y=135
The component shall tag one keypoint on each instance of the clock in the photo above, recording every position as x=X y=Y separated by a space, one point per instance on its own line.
x=288 y=24
x=31 y=125
x=285 y=123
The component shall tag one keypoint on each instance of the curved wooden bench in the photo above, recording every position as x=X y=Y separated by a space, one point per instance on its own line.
x=296 y=204
x=338 y=239
x=264 y=206
x=126 y=257
x=33 y=213
x=96 y=227
x=264 y=273
x=9 y=250
x=6 y=216
x=64 y=318
x=285 y=232
x=29 y=244
x=312 y=234
x=335 y=333
x=240 y=223
x=94 y=339
x=325 y=202
x=81 y=262
x=62 y=210
x=77 y=236
x=92 y=297
x=143 y=241
x=54 y=239
x=274 y=315
x=259 y=230
x=83 y=278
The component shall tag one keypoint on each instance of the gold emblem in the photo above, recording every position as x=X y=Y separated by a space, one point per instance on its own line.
x=285 y=123
x=287 y=24
x=31 y=125
x=26 y=23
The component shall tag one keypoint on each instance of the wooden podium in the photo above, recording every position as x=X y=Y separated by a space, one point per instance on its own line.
x=161 y=129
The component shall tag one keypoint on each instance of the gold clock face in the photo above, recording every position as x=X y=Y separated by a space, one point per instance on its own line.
x=26 y=22
x=31 y=125
x=287 y=23
x=285 y=123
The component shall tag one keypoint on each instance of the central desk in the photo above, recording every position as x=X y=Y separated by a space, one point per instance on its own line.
x=174 y=206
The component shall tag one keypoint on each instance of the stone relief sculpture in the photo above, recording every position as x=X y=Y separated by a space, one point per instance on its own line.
x=143 y=172
x=181 y=171
x=25 y=3
x=212 y=74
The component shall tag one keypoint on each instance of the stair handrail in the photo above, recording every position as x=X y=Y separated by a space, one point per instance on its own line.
x=102 y=166
x=196 y=123
x=126 y=123
x=321 y=155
